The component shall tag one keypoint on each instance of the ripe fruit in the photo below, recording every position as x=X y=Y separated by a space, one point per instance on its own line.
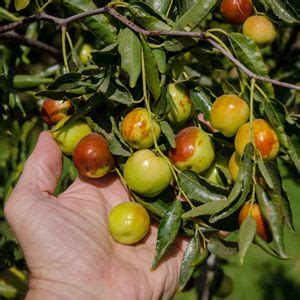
x=128 y=222
x=136 y=129
x=228 y=113
x=265 y=139
x=260 y=29
x=181 y=109
x=68 y=137
x=146 y=173
x=194 y=150
x=92 y=157
x=233 y=166
x=55 y=110
x=85 y=53
x=261 y=226
x=236 y=11
x=225 y=288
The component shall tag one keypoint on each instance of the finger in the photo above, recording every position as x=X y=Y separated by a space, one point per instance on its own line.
x=43 y=167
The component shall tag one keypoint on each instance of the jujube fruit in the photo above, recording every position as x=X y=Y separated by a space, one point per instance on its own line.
x=225 y=288
x=92 y=157
x=194 y=150
x=55 y=110
x=85 y=53
x=228 y=113
x=128 y=223
x=260 y=29
x=236 y=11
x=265 y=139
x=69 y=136
x=146 y=173
x=262 y=228
x=181 y=108
x=234 y=166
x=136 y=129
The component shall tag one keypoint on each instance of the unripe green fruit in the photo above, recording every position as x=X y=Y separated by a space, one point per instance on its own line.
x=181 y=109
x=212 y=175
x=136 y=129
x=234 y=166
x=85 y=53
x=146 y=173
x=194 y=150
x=68 y=137
x=128 y=223
x=228 y=113
x=226 y=287
x=260 y=29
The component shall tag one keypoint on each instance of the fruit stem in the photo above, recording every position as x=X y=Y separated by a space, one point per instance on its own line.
x=63 y=43
x=217 y=30
x=69 y=40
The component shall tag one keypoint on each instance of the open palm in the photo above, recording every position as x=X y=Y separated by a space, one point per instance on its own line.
x=66 y=242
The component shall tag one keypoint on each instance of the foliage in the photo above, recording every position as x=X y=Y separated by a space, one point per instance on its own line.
x=128 y=70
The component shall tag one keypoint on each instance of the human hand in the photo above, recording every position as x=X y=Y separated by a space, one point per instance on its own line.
x=66 y=242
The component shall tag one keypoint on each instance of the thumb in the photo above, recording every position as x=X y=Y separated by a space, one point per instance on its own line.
x=43 y=167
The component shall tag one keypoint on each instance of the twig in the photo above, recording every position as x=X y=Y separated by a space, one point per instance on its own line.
x=13 y=37
x=200 y=35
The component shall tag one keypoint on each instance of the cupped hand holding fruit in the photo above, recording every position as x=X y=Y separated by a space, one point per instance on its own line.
x=66 y=240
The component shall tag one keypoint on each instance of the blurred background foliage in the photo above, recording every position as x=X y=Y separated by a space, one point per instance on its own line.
x=23 y=71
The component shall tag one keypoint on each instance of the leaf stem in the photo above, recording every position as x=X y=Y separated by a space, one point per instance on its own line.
x=63 y=43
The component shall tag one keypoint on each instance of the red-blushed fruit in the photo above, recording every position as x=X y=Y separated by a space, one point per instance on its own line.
x=265 y=139
x=92 y=157
x=136 y=129
x=260 y=29
x=69 y=136
x=262 y=228
x=181 y=109
x=194 y=150
x=146 y=173
x=128 y=223
x=55 y=110
x=236 y=11
x=228 y=113
x=234 y=166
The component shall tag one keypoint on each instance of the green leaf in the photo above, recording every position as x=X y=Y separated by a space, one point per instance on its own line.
x=265 y=172
x=187 y=267
x=266 y=247
x=283 y=10
x=152 y=75
x=248 y=53
x=195 y=15
x=65 y=81
x=130 y=51
x=208 y=208
x=246 y=236
x=99 y=25
x=160 y=56
x=272 y=215
x=167 y=231
x=221 y=247
x=160 y=5
x=168 y=132
x=241 y=187
x=21 y=4
x=201 y=101
x=189 y=183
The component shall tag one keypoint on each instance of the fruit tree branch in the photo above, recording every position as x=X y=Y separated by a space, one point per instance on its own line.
x=13 y=37
x=108 y=10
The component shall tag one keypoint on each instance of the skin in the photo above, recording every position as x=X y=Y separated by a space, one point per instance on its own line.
x=129 y=223
x=194 y=150
x=55 y=110
x=181 y=109
x=68 y=137
x=233 y=166
x=265 y=139
x=260 y=29
x=236 y=11
x=261 y=225
x=66 y=242
x=228 y=113
x=136 y=129
x=85 y=53
x=146 y=173
x=92 y=157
